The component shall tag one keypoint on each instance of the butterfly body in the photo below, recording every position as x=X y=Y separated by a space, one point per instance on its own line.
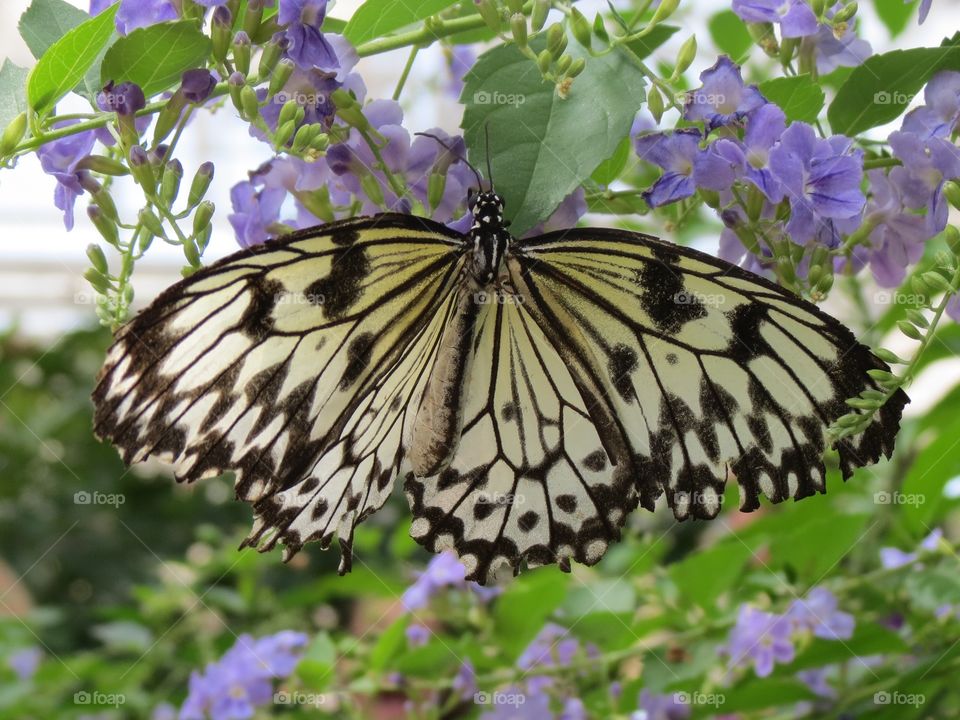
x=530 y=393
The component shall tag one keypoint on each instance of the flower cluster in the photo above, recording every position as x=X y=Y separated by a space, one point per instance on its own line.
x=234 y=686
x=444 y=572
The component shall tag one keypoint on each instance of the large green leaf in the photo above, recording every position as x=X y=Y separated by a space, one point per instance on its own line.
x=46 y=21
x=544 y=146
x=730 y=35
x=65 y=63
x=376 y=18
x=815 y=548
x=879 y=90
x=895 y=14
x=13 y=92
x=643 y=47
x=921 y=498
x=799 y=96
x=867 y=639
x=155 y=57
x=524 y=607
x=703 y=576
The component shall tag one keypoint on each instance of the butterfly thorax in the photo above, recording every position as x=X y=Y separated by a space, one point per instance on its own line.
x=488 y=235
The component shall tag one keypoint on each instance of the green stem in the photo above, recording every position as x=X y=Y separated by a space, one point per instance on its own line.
x=882 y=162
x=406 y=72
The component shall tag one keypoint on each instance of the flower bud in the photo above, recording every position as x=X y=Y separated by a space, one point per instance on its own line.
x=235 y=83
x=371 y=187
x=490 y=14
x=518 y=28
x=846 y=13
x=284 y=134
x=515 y=7
x=191 y=252
x=763 y=36
x=99 y=282
x=106 y=227
x=253 y=17
x=104 y=200
x=13 y=134
x=664 y=10
x=280 y=76
x=197 y=85
x=564 y=63
x=272 y=52
x=952 y=236
x=655 y=103
x=201 y=183
x=303 y=138
x=221 y=31
x=348 y=109
x=686 y=56
x=103 y=165
x=203 y=216
x=250 y=103
x=580 y=27
x=951 y=190
x=556 y=40
x=170 y=182
x=576 y=67
x=436 y=184
x=151 y=222
x=241 y=52
x=141 y=168
x=291 y=110
x=818 y=6
x=539 y=16
x=124 y=99
x=544 y=61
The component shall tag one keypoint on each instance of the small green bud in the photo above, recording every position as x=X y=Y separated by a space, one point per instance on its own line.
x=564 y=63
x=951 y=190
x=600 y=29
x=284 y=134
x=221 y=32
x=889 y=357
x=686 y=56
x=710 y=197
x=321 y=142
x=141 y=168
x=201 y=183
x=556 y=39
x=935 y=281
x=490 y=14
x=106 y=227
x=303 y=138
x=272 y=52
x=371 y=187
x=826 y=282
x=241 y=52
x=104 y=200
x=818 y=7
x=909 y=329
x=13 y=134
x=250 y=103
x=576 y=67
x=349 y=109
x=917 y=318
x=539 y=15
x=191 y=252
x=151 y=222
x=170 y=182
x=99 y=283
x=764 y=36
x=281 y=75
x=846 y=13
x=952 y=235
x=235 y=84
x=436 y=184
x=663 y=11
x=97 y=258
x=518 y=28
x=544 y=61
x=291 y=110
x=103 y=165
x=515 y=7
x=203 y=216
x=580 y=27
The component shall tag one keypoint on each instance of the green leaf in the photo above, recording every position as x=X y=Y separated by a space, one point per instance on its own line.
x=798 y=96
x=880 y=90
x=867 y=639
x=932 y=588
x=46 y=21
x=704 y=574
x=155 y=57
x=816 y=547
x=644 y=47
x=524 y=607
x=730 y=35
x=66 y=62
x=543 y=146
x=760 y=693
x=13 y=92
x=610 y=169
x=895 y=14
x=389 y=644
x=376 y=18
x=921 y=499
x=316 y=666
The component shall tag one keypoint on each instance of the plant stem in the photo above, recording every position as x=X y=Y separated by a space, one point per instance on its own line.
x=406 y=72
x=882 y=162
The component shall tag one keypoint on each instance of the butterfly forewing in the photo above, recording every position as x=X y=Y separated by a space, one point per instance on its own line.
x=713 y=371
x=293 y=364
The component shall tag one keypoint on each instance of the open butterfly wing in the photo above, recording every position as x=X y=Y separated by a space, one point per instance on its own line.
x=293 y=364
x=712 y=370
x=542 y=473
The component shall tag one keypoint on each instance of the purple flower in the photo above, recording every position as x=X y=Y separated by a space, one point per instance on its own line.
x=553 y=645
x=719 y=165
x=818 y=614
x=821 y=179
x=836 y=48
x=660 y=707
x=573 y=709
x=891 y=558
x=254 y=212
x=526 y=705
x=940 y=114
x=98 y=6
x=164 y=711
x=197 y=85
x=795 y=17
x=242 y=680
x=676 y=153
x=816 y=680
x=568 y=212
x=722 y=99
x=460 y=58
x=124 y=99
x=443 y=571
x=927 y=164
x=897 y=240
x=765 y=126
x=308 y=48
x=134 y=14
x=417 y=635
x=25 y=662
x=924 y=9
x=760 y=637
x=59 y=158
x=465 y=681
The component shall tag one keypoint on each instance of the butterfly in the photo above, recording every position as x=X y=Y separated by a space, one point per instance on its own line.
x=530 y=393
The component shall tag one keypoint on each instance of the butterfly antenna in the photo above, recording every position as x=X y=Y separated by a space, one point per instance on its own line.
x=461 y=159
x=486 y=146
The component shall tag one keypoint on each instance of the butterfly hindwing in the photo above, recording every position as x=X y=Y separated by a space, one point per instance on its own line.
x=713 y=370
x=292 y=364
x=533 y=479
